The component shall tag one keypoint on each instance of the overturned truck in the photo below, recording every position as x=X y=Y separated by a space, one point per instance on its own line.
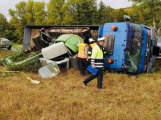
x=131 y=48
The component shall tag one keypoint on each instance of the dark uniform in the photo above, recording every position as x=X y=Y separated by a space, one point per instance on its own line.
x=82 y=58
x=97 y=60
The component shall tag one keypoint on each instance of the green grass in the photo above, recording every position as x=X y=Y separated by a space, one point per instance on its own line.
x=64 y=97
x=17 y=46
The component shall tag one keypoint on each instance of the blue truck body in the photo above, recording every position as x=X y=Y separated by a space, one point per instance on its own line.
x=130 y=47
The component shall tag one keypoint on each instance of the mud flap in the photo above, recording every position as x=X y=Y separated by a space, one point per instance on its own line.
x=151 y=65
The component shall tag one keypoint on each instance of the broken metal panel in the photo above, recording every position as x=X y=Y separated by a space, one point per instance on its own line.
x=94 y=34
x=70 y=41
x=54 y=50
x=39 y=44
x=45 y=37
x=44 y=62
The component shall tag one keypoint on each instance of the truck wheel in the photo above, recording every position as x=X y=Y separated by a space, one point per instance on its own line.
x=9 y=48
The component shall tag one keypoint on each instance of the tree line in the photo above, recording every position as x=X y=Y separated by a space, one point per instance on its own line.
x=75 y=12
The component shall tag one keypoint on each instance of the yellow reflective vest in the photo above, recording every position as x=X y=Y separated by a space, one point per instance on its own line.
x=81 y=52
x=97 y=56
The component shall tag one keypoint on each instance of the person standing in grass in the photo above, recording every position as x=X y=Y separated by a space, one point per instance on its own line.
x=98 y=62
x=82 y=57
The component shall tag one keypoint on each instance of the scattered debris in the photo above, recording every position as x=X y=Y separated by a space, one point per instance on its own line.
x=32 y=81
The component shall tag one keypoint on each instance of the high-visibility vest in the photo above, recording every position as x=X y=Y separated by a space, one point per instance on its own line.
x=97 y=57
x=81 y=53
x=92 y=45
x=90 y=50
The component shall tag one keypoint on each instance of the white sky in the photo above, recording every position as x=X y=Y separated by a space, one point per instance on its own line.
x=5 y=5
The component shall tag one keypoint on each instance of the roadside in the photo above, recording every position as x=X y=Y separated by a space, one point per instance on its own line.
x=15 y=47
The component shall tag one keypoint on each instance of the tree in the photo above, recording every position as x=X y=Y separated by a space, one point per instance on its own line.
x=109 y=14
x=102 y=13
x=149 y=6
x=3 y=25
x=136 y=14
x=30 y=12
x=80 y=12
x=55 y=12
x=18 y=20
x=39 y=13
x=120 y=14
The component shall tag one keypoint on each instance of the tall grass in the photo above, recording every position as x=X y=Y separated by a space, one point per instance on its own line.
x=64 y=97
x=17 y=46
x=28 y=66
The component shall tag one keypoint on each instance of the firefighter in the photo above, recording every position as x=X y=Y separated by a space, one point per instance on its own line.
x=82 y=57
x=98 y=62
x=91 y=45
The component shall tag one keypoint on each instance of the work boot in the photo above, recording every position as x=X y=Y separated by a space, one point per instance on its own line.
x=99 y=87
x=81 y=74
x=84 y=83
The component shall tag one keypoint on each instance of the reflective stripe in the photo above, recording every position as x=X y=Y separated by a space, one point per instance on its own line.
x=98 y=63
x=81 y=56
x=100 y=66
x=81 y=52
x=96 y=58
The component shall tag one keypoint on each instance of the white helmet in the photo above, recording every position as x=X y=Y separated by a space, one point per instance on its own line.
x=91 y=40
x=101 y=39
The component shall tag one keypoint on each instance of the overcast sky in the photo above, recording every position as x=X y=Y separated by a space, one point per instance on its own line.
x=5 y=5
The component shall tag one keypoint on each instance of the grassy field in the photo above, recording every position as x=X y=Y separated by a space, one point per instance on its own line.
x=17 y=46
x=64 y=97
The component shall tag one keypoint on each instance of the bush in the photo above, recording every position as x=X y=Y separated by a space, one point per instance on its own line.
x=19 y=42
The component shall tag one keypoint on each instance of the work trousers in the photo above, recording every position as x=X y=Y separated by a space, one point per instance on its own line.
x=82 y=65
x=99 y=76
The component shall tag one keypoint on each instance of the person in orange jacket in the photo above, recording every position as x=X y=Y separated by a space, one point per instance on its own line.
x=82 y=57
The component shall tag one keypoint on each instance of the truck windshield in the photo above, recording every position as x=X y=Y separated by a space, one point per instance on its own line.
x=133 y=54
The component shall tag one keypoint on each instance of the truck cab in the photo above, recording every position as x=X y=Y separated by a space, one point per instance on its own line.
x=130 y=47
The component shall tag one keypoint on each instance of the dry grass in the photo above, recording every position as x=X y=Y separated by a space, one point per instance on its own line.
x=64 y=97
